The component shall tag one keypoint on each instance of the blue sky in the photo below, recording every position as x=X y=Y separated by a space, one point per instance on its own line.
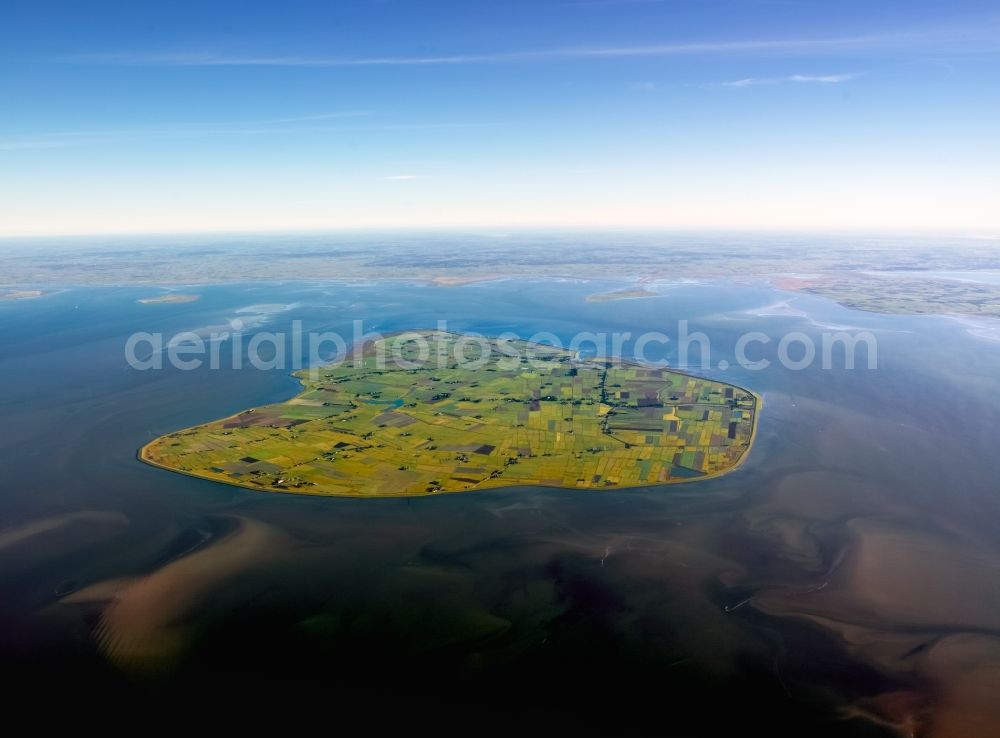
x=757 y=114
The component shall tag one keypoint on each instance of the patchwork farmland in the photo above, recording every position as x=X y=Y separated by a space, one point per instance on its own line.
x=515 y=414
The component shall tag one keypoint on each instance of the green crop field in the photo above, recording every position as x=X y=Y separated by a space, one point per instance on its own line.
x=512 y=414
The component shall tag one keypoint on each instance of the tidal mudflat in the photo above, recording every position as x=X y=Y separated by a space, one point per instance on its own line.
x=840 y=582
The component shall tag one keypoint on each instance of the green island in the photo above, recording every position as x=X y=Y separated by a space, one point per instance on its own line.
x=388 y=422
x=171 y=298
x=629 y=293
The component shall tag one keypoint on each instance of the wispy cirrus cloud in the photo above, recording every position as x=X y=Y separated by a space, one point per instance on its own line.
x=202 y=127
x=749 y=82
x=982 y=37
x=210 y=59
x=822 y=79
x=302 y=124
x=26 y=144
x=301 y=118
x=609 y=3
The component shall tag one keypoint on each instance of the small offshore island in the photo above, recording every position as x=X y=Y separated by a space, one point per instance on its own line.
x=171 y=298
x=366 y=428
x=20 y=294
x=629 y=293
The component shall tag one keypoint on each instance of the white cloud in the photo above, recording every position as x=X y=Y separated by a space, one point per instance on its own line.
x=826 y=79
x=609 y=3
x=53 y=139
x=299 y=118
x=973 y=37
x=750 y=82
x=25 y=145
x=204 y=59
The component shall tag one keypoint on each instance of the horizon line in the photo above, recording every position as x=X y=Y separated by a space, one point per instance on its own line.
x=977 y=232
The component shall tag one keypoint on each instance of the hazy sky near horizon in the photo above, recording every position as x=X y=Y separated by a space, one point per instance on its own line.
x=138 y=117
